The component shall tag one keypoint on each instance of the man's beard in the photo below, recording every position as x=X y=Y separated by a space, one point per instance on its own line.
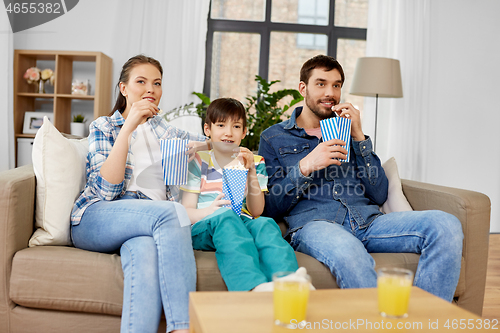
x=317 y=109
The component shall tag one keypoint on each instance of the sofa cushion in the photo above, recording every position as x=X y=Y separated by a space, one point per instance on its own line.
x=59 y=166
x=396 y=200
x=67 y=279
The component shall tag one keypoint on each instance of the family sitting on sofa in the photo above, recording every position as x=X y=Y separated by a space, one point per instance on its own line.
x=331 y=207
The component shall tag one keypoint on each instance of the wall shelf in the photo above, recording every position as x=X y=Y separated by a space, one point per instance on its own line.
x=62 y=63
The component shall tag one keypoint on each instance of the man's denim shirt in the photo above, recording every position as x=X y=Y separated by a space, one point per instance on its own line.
x=358 y=186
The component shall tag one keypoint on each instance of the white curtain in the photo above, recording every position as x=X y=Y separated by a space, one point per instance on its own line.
x=6 y=93
x=399 y=29
x=173 y=32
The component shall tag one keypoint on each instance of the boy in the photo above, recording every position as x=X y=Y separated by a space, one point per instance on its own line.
x=248 y=248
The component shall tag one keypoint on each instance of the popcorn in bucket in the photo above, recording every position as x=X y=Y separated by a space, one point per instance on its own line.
x=174 y=161
x=234 y=179
x=337 y=128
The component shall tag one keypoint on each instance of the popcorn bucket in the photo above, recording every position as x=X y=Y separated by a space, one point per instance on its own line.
x=337 y=128
x=174 y=161
x=233 y=186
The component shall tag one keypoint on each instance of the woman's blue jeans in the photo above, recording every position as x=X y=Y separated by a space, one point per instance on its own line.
x=156 y=254
x=344 y=249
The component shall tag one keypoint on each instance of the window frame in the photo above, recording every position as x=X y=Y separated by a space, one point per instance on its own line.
x=264 y=28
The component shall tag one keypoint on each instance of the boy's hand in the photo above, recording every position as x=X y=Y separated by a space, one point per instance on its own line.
x=247 y=158
x=194 y=147
x=218 y=203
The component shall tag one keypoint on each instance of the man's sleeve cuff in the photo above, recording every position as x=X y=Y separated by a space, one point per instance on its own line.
x=298 y=179
x=363 y=148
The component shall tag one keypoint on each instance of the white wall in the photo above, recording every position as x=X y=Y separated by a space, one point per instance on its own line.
x=6 y=92
x=465 y=85
x=89 y=31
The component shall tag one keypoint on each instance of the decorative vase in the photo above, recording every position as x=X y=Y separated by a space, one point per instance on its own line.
x=78 y=129
x=41 y=87
x=37 y=86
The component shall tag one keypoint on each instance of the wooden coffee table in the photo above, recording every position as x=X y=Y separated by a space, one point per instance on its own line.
x=329 y=309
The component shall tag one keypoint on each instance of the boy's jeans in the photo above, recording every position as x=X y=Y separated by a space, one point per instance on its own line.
x=344 y=249
x=248 y=251
x=157 y=257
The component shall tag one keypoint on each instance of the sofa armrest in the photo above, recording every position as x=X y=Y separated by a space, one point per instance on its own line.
x=473 y=211
x=17 y=205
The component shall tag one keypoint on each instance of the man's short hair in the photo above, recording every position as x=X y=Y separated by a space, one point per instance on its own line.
x=320 y=61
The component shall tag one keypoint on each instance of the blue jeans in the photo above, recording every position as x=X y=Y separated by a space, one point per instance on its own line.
x=344 y=249
x=248 y=251
x=156 y=253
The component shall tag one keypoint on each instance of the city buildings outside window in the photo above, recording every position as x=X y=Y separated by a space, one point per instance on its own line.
x=273 y=38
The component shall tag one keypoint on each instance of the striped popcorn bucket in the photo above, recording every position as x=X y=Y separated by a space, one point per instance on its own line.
x=337 y=128
x=233 y=186
x=174 y=161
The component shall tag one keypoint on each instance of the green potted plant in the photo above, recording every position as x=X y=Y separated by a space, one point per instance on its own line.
x=262 y=109
x=78 y=125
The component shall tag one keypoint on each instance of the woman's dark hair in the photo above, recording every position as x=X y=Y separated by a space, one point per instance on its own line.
x=320 y=61
x=140 y=59
x=224 y=108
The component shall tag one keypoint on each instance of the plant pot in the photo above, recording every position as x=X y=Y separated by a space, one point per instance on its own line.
x=78 y=129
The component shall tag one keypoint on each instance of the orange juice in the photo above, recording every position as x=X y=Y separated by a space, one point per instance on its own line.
x=290 y=302
x=393 y=295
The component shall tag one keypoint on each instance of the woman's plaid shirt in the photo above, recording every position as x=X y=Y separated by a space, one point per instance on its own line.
x=103 y=133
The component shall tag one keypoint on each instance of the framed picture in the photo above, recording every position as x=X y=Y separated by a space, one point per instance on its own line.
x=79 y=87
x=34 y=120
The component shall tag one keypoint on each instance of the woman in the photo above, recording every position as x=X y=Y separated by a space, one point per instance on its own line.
x=124 y=206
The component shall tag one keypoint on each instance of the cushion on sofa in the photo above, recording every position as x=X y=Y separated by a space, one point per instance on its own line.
x=59 y=166
x=67 y=279
x=396 y=200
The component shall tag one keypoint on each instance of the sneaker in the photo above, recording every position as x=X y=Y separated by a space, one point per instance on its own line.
x=300 y=274
x=267 y=286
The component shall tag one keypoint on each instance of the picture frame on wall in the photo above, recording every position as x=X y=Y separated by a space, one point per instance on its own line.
x=34 y=120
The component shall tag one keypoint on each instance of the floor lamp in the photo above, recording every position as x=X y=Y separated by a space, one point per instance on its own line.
x=377 y=77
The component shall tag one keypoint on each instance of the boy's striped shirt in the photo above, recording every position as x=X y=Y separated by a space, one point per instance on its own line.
x=205 y=178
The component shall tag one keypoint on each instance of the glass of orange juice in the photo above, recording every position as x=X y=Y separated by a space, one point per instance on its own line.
x=394 y=285
x=291 y=294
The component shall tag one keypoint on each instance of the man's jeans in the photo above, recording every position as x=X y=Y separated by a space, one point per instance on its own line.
x=344 y=249
x=156 y=254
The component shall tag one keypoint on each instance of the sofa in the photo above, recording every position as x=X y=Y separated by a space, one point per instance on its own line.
x=64 y=289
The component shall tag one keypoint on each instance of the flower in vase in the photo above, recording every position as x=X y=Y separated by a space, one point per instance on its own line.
x=32 y=75
x=47 y=74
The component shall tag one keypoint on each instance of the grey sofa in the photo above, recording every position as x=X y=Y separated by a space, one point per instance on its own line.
x=64 y=289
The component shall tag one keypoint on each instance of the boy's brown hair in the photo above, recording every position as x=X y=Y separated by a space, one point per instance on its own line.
x=225 y=108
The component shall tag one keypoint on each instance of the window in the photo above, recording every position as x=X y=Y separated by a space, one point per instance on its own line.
x=273 y=38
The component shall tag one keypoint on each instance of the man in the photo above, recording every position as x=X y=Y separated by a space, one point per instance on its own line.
x=332 y=207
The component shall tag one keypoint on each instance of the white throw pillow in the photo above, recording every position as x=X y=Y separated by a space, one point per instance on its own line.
x=60 y=170
x=396 y=200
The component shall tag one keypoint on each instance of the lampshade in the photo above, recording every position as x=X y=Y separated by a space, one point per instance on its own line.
x=377 y=76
